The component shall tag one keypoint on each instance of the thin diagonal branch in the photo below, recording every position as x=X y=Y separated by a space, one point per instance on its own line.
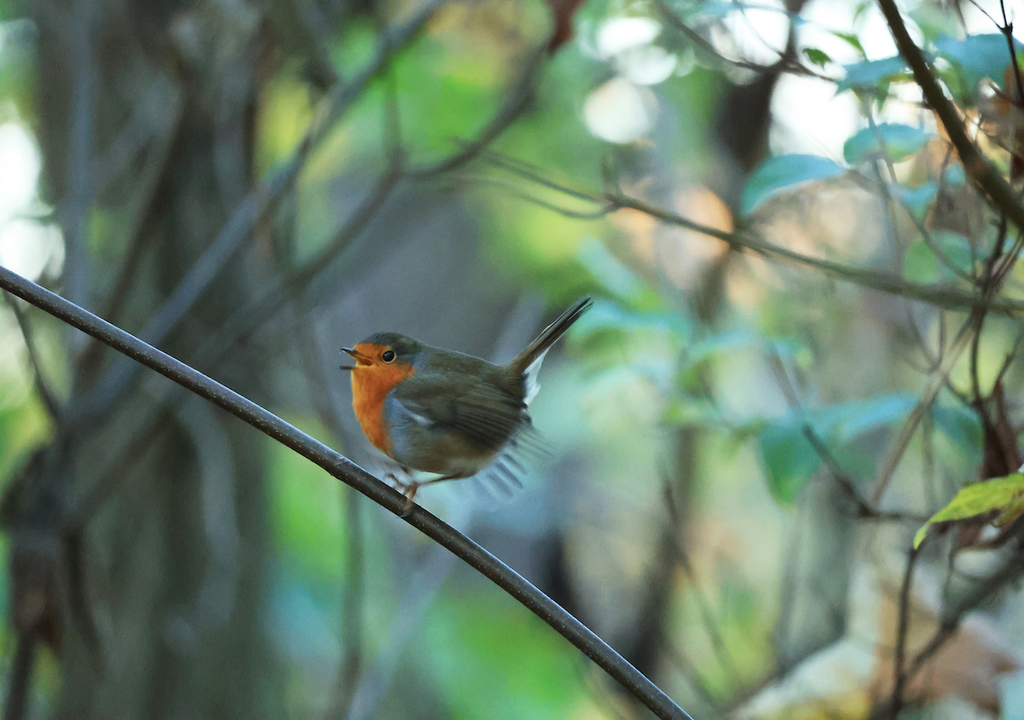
x=348 y=472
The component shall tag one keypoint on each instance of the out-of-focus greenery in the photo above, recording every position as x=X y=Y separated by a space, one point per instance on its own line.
x=681 y=457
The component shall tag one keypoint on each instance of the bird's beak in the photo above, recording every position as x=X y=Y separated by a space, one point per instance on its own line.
x=354 y=354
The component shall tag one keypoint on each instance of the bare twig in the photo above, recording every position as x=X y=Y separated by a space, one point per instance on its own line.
x=345 y=470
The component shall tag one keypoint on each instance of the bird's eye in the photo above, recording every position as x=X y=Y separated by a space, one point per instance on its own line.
x=388 y=356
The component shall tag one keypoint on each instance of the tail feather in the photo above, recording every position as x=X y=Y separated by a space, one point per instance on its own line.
x=534 y=352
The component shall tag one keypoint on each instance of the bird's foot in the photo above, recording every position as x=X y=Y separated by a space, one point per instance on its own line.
x=406 y=488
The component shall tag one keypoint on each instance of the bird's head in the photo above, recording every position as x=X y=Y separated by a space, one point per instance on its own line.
x=385 y=359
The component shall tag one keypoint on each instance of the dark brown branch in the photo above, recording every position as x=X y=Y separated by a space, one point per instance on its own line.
x=983 y=173
x=348 y=472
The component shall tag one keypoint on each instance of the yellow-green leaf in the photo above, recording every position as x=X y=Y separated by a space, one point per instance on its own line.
x=1005 y=493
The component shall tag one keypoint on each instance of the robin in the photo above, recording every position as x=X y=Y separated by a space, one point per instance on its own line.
x=446 y=412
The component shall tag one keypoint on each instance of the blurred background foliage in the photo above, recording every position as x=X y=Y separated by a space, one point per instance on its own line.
x=786 y=372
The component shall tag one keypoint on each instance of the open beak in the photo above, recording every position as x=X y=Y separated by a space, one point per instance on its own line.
x=354 y=355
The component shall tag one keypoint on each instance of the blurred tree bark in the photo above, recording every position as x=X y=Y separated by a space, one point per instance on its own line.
x=176 y=564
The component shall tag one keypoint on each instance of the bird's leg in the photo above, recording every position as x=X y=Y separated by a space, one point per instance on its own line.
x=409 y=489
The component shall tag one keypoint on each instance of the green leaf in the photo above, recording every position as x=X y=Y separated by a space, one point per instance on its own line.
x=783 y=173
x=851 y=40
x=817 y=57
x=977 y=499
x=846 y=421
x=789 y=459
x=860 y=8
x=870 y=74
x=958 y=423
x=978 y=56
x=954 y=252
x=945 y=259
x=693 y=412
x=933 y=20
x=609 y=317
x=954 y=175
x=713 y=10
x=710 y=346
x=893 y=139
x=918 y=200
x=920 y=264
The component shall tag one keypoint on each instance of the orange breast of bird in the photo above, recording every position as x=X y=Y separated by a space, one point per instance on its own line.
x=370 y=387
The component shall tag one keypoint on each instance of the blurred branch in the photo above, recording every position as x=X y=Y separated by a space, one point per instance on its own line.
x=46 y=394
x=1010 y=572
x=312 y=358
x=982 y=172
x=423 y=588
x=21 y=675
x=249 y=212
x=517 y=100
x=149 y=179
x=78 y=599
x=350 y=473
x=80 y=148
x=789 y=582
x=707 y=614
x=239 y=325
x=608 y=202
x=788 y=65
x=283 y=288
x=939 y=379
x=865 y=509
x=902 y=629
x=143 y=431
x=1007 y=30
x=352 y=603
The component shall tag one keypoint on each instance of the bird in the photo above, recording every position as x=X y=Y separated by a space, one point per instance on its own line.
x=445 y=412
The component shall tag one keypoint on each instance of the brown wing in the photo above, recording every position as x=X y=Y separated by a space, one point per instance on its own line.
x=481 y=413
